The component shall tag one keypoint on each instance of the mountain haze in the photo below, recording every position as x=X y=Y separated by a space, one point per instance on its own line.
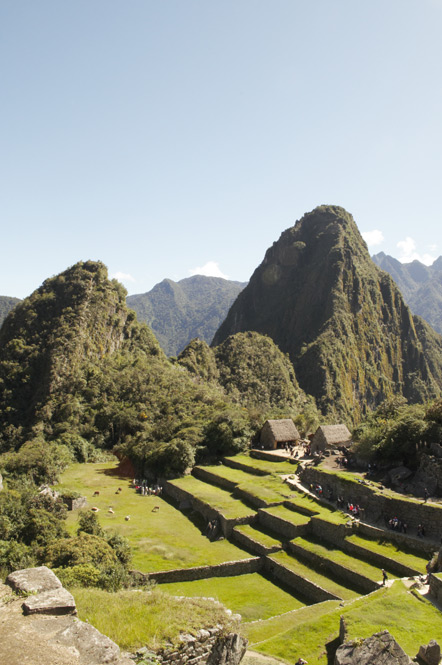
x=344 y=323
x=420 y=285
x=6 y=305
x=179 y=311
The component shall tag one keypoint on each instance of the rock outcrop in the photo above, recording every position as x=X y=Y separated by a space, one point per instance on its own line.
x=380 y=649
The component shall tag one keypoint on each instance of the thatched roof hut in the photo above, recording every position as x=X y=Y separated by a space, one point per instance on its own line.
x=330 y=436
x=275 y=433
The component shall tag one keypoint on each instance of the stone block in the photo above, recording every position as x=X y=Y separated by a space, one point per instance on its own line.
x=430 y=653
x=380 y=648
x=55 y=601
x=33 y=579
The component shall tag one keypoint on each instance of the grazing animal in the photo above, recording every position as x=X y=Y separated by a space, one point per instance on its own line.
x=117 y=492
x=110 y=511
x=155 y=509
x=96 y=493
x=127 y=518
x=95 y=509
x=120 y=489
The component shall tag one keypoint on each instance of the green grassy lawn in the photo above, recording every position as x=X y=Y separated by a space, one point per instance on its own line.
x=391 y=550
x=298 y=519
x=332 y=553
x=270 y=488
x=160 y=540
x=412 y=621
x=258 y=535
x=219 y=499
x=261 y=631
x=322 y=580
x=410 y=618
x=265 y=465
x=252 y=596
x=134 y=619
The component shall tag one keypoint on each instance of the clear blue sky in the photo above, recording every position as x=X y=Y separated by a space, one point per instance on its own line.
x=161 y=135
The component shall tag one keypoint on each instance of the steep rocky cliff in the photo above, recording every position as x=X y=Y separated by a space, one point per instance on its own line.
x=349 y=334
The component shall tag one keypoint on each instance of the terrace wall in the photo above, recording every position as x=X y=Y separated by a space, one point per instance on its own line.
x=185 y=499
x=226 y=569
x=234 y=464
x=379 y=507
x=380 y=560
x=436 y=586
x=209 y=477
x=308 y=590
x=249 y=543
x=347 y=577
x=279 y=525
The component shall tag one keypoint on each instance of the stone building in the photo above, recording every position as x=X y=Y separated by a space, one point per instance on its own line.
x=275 y=433
x=329 y=437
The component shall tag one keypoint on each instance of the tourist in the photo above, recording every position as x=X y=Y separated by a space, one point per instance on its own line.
x=384 y=577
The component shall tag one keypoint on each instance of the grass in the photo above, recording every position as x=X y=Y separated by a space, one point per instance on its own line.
x=217 y=498
x=259 y=536
x=264 y=465
x=324 y=581
x=160 y=540
x=145 y=618
x=283 y=513
x=332 y=553
x=253 y=596
x=270 y=489
x=260 y=631
x=389 y=549
x=411 y=620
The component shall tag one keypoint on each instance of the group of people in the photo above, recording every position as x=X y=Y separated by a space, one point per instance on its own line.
x=145 y=489
x=397 y=525
x=212 y=529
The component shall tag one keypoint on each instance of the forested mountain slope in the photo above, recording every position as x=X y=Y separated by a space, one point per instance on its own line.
x=350 y=336
x=177 y=312
x=6 y=305
x=420 y=285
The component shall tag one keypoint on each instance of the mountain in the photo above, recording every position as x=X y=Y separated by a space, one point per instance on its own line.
x=79 y=373
x=254 y=373
x=179 y=311
x=421 y=286
x=6 y=304
x=343 y=322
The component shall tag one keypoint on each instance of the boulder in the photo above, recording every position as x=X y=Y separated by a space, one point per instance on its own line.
x=55 y=601
x=228 y=650
x=89 y=644
x=430 y=653
x=380 y=648
x=31 y=580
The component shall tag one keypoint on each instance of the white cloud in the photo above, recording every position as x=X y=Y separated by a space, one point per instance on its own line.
x=209 y=269
x=409 y=253
x=372 y=238
x=123 y=277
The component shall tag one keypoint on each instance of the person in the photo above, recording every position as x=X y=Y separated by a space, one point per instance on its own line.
x=384 y=577
x=301 y=661
x=426 y=495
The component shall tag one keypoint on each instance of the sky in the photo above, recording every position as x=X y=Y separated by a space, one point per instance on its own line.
x=173 y=137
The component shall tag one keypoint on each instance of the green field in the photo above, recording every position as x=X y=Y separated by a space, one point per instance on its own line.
x=160 y=540
x=258 y=535
x=389 y=549
x=412 y=620
x=219 y=499
x=252 y=596
x=283 y=468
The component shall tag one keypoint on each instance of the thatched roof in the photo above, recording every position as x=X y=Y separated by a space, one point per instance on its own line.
x=283 y=430
x=332 y=435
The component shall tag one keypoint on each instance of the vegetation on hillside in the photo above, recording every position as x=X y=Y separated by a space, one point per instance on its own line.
x=6 y=305
x=343 y=322
x=179 y=311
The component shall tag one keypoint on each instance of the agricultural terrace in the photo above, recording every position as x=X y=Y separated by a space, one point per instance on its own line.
x=277 y=619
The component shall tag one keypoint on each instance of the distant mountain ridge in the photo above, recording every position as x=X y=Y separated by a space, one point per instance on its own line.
x=343 y=322
x=420 y=285
x=177 y=312
x=6 y=305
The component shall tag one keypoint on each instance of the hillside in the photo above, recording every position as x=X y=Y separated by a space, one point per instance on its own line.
x=343 y=322
x=254 y=373
x=78 y=371
x=6 y=305
x=420 y=285
x=180 y=311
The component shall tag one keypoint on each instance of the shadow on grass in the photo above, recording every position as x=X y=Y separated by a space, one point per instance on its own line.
x=331 y=648
x=124 y=470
